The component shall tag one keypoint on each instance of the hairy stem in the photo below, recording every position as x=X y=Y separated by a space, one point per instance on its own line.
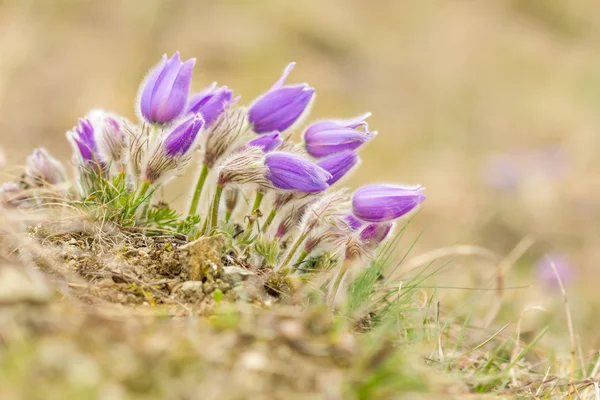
x=293 y=249
x=269 y=220
x=257 y=200
x=215 y=209
x=198 y=190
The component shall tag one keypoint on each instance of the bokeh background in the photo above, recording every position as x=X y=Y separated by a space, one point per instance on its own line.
x=493 y=105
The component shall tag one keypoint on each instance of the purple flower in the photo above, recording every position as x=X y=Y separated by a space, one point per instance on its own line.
x=83 y=139
x=211 y=103
x=181 y=139
x=374 y=234
x=325 y=138
x=281 y=106
x=42 y=169
x=353 y=222
x=563 y=266
x=291 y=172
x=338 y=165
x=267 y=142
x=381 y=203
x=164 y=93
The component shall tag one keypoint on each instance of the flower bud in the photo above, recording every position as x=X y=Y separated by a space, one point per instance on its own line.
x=288 y=171
x=84 y=144
x=381 y=203
x=281 y=106
x=111 y=138
x=172 y=152
x=325 y=211
x=11 y=194
x=339 y=165
x=210 y=103
x=244 y=167
x=43 y=169
x=326 y=138
x=223 y=134
x=374 y=234
x=180 y=141
x=164 y=92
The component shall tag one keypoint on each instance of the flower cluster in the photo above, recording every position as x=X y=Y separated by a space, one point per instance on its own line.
x=241 y=149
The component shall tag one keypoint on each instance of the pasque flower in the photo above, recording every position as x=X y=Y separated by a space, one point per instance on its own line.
x=381 y=203
x=164 y=93
x=339 y=165
x=281 y=106
x=374 y=234
x=326 y=138
x=83 y=139
x=172 y=151
x=211 y=103
x=110 y=137
x=291 y=172
x=43 y=169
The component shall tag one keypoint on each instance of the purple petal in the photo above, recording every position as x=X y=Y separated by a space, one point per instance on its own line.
x=291 y=172
x=281 y=80
x=380 y=203
x=267 y=142
x=180 y=140
x=322 y=143
x=339 y=165
x=353 y=222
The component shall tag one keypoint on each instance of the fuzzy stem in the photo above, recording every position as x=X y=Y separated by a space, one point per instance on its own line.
x=293 y=249
x=215 y=209
x=255 y=206
x=198 y=189
x=335 y=286
x=269 y=220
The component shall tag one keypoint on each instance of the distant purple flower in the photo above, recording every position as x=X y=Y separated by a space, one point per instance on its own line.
x=180 y=140
x=374 y=234
x=353 y=222
x=339 y=165
x=325 y=138
x=281 y=106
x=291 y=172
x=267 y=142
x=380 y=203
x=165 y=91
x=563 y=265
x=211 y=103
x=84 y=141
x=42 y=169
x=502 y=172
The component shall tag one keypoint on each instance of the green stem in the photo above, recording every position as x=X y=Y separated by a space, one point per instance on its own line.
x=142 y=192
x=215 y=209
x=198 y=190
x=255 y=206
x=293 y=249
x=227 y=215
x=302 y=257
x=269 y=220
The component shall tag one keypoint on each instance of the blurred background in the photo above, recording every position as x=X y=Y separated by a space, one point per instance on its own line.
x=494 y=106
